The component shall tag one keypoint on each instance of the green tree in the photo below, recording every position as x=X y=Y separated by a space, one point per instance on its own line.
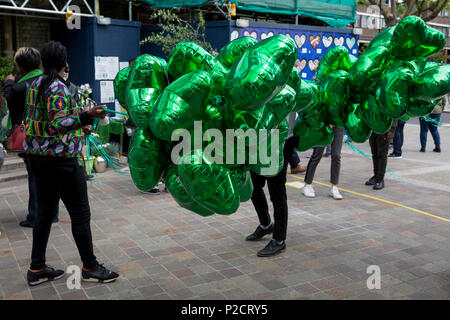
x=6 y=67
x=425 y=9
x=175 y=30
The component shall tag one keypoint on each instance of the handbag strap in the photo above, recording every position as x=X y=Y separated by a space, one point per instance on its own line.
x=27 y=107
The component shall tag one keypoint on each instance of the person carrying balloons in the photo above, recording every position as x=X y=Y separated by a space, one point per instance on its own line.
x=277 y=191
x=379 y=145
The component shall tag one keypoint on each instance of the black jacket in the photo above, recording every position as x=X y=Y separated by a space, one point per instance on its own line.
x=15 y=93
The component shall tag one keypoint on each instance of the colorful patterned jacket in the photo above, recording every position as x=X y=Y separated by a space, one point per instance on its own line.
x=53 y=125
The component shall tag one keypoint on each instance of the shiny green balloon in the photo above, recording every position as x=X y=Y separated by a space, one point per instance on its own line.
x=413 y=39
x=420 y=108
x=260 y=73
x=141 y=102
x=176 y=189
x=243 y=182
x=294 y=80
x=355 y=125
x=146 y=159
x=277 y=109
x=209 y=184
x=270 y=160
x=230 y=53
x=335 y=94
x=312 y=138
x=308 y=96
x=180 y=104
x=433 y=83
x=405 y=118
x=147 y=72
x=146 y=80
x=190 y=56
x=213 y=117
x=375 y=118
x=395 y=91
x=383 y=39
x=313 y=117
x=337 y=58
x=120 y=85
x=367 y=70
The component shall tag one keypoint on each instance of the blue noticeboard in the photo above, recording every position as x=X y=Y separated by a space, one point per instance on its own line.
x=312 y=42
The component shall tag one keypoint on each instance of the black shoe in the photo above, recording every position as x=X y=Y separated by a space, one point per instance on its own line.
x=437 y=150
x=99 y=274
x=371 y=181
x=272 y=249
x=47 y=274
x=26 y=224
x=422 y=149
x=152 y=191
x=379 y=185
x=259 y=233
x=395 y=155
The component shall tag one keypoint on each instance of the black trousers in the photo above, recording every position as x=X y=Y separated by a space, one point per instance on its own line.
x=379 y=144
x=277 y=191
x=59 y=178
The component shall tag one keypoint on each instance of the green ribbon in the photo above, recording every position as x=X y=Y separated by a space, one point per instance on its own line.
x=368 y=156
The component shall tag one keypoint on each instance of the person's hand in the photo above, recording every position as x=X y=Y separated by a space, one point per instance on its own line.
x=10 y=77
x=390 y=135
x=97 y=112
x=87 y=129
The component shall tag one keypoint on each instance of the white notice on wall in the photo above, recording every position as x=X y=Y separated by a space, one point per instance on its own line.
x=123 y=65
x=106 y=68
x=107 y=92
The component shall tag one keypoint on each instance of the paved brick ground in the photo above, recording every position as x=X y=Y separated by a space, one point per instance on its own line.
x=165 y=252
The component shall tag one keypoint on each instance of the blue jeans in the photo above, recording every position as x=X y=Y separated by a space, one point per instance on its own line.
x=398 y=138
x=295 y=160
x=32 y=200
x=425 y=126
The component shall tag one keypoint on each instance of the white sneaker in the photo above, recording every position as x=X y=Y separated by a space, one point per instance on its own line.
x=308 y=191
x=335 y=193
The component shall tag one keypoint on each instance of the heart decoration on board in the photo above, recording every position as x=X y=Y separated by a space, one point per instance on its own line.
x=252 y=34
x=339 y=41
x=314 y=40
x=313 y=64
x=327 y=41
x=300 y=40
x=300 y=64
x=350 y=42
x=288 y=35
x=234 y=35
x=266 y=35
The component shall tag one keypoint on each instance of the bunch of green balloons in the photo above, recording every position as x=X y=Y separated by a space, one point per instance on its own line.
x=254 y=85
x=391 y=80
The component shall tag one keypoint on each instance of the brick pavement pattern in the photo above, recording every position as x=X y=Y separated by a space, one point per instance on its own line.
x=165 y=252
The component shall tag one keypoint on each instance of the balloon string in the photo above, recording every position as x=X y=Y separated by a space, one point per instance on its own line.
x=368 y=156
x=435 y=122
x=114 y=163
x=114 y=111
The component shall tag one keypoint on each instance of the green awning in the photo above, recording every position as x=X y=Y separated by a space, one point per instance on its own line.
x=336 y=13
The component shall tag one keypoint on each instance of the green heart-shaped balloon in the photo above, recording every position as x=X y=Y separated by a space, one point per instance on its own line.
x=413 y=39
x=355 y=125
x=309 y=138
x=375 y=118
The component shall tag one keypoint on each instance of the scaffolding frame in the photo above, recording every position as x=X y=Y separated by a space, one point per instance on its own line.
x=14 y=5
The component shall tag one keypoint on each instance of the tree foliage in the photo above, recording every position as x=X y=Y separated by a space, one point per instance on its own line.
x=6 y=67
x=425 y=9
x=174 y=30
